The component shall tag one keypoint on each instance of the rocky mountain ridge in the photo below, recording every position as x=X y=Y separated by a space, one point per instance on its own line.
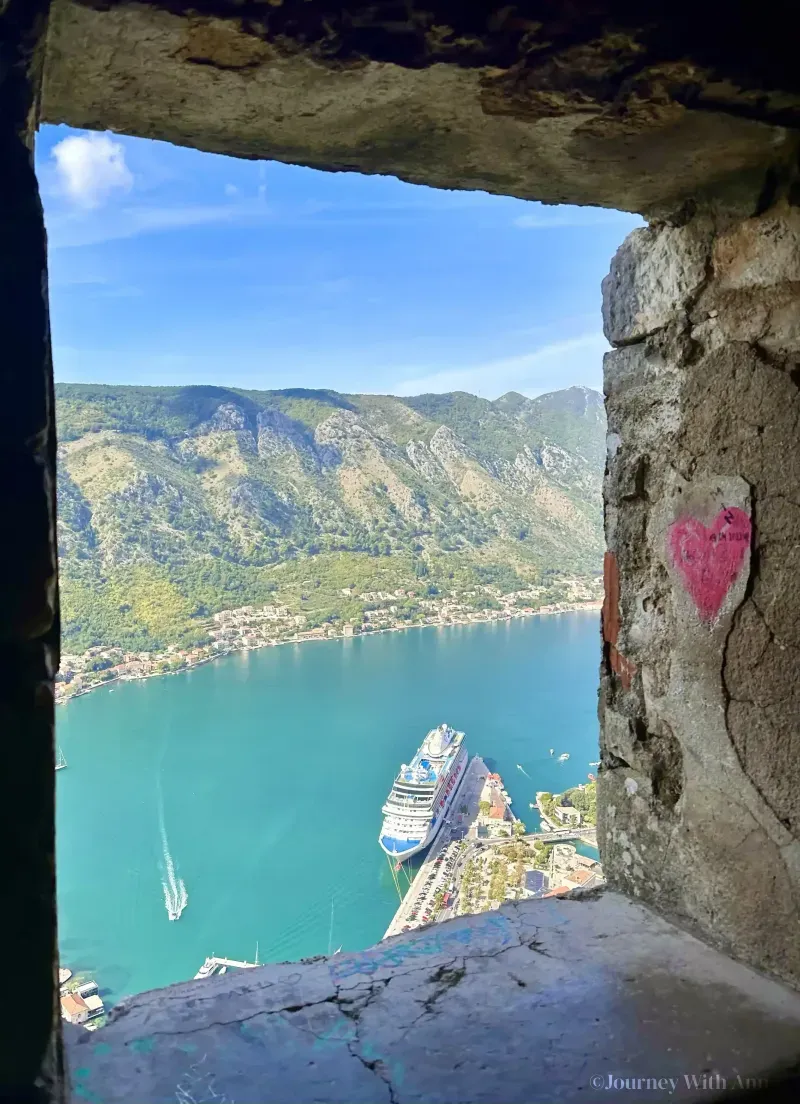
x=216 y=495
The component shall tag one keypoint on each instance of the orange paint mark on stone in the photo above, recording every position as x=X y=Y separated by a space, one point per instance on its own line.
x=610 y=619
x=610 y=612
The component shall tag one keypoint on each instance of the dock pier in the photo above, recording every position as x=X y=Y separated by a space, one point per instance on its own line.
x=468 y=793
x=213 y=965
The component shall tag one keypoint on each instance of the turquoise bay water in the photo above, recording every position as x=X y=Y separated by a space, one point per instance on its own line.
x=267 y=771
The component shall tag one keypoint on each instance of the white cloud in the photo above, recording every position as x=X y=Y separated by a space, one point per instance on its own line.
x=575 y=360
x=91 y=167
x=74 y=228
x=231 y=190
x=143 y=220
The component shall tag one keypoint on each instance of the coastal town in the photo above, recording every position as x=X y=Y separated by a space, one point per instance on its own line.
x=252 y=627
x=485 y=856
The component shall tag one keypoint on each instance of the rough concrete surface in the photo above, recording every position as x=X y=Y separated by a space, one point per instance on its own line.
x=700 y=775
x=542 y=1001
x=604 y=103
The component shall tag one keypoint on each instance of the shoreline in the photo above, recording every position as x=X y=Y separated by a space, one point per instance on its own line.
x=573 y=607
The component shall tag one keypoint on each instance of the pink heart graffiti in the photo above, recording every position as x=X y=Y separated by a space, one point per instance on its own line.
x=710 y=559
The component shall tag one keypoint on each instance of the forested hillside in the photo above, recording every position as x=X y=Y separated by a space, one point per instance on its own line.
x=177 y=502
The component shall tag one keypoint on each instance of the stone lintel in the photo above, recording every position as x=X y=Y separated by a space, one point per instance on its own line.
x=597 y=104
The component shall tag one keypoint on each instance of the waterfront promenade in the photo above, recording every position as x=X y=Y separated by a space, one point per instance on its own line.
x=457 y=824
x=456 y=844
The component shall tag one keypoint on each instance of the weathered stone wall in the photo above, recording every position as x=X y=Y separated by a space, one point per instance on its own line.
x=28 y=602
x=700 y=697
x=634 y=106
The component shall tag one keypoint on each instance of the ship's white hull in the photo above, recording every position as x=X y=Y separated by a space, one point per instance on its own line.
x=409 y=846
x=403 y=845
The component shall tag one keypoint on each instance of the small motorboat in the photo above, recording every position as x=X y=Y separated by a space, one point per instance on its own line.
x=563 y=757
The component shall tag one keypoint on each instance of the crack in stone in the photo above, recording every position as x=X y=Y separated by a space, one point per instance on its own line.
x=773 y=636
x=456 y=974
x=364 y=995
x=378 y=1067
x=728 y=696
x=444 y=978
x=180 y=997
x=420 y=966
x=333 y=999
x=374 y=1065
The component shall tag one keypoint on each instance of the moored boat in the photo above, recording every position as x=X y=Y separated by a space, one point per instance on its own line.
x=422 y=792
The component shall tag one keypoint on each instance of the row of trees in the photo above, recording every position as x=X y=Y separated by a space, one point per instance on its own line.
x=547 y=804
x=541 y=854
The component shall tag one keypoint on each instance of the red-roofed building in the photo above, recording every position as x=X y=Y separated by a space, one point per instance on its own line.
x=498 y=805
x=557 y=891
x=579 y=877
x=74 y=1008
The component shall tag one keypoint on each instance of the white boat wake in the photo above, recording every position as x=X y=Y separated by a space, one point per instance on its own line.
x=519 y=768
x=175 y=896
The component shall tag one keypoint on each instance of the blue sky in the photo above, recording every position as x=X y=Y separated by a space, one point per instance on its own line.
x=169 y=266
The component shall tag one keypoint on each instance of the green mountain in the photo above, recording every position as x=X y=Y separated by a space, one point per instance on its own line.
x=176 y=502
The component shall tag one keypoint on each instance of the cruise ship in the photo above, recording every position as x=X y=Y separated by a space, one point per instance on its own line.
x=422 y=792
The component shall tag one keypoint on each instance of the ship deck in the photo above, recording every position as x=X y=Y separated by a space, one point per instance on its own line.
x=437 y=762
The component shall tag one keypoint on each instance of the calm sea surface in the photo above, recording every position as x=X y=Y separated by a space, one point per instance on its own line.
x=257 y=782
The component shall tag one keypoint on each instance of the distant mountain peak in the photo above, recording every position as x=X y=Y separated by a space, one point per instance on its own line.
x=511 y=402
x=577 y=400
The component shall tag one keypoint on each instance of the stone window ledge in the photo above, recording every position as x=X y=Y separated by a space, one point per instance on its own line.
x=547 y=1000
